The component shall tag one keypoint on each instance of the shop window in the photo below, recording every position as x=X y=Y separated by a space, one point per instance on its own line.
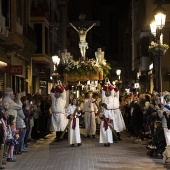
x=2 y=81
x=18 y=84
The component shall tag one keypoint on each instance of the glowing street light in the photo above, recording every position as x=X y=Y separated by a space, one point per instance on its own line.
x=118 y=72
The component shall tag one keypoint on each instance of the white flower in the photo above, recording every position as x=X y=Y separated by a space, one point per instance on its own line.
x=153 y=43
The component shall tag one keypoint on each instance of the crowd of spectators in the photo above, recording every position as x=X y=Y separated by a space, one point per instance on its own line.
x=23 y=118
x=147 y=117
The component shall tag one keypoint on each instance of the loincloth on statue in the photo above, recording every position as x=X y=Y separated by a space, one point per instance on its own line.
x=81 y=44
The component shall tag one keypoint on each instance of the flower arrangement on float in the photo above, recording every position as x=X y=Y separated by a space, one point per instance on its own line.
x=158 y=49
x=86 y=70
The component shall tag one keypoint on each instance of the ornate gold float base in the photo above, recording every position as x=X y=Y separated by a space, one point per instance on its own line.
x=92 y=77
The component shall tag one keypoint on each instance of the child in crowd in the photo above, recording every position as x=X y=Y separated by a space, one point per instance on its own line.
x=13 y=139
x=74 y=129
x=2 y=136
x=105 y=131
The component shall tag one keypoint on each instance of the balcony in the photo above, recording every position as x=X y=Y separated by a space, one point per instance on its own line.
x=14 y=39
x=41 y=59
x=14 y=42
x=41 y=10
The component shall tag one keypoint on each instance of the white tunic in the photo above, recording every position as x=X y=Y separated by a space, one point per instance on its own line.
x=106 y=135
x=58 y=118
x=89 y=109
x=73 y=134
x=113 y=106
x=119 y=121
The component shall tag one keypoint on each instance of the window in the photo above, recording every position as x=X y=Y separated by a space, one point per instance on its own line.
x=46 y=41
x=6 y=12
x=38 y=30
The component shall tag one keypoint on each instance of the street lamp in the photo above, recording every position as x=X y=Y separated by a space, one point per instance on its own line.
x=160 y=16
x=156 y=28
x=56 y=61
x=118 y=72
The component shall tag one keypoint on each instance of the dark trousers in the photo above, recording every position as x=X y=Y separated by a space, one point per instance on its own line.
x=26 y=136
x=58 y=135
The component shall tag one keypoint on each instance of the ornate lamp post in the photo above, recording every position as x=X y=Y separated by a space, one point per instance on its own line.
x=156 y=30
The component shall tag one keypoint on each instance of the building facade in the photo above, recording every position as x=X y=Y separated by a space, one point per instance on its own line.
x=31 y=31
x=144 y=63
x=17 y=44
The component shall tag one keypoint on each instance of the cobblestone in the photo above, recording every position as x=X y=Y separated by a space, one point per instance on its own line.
x=124 y=155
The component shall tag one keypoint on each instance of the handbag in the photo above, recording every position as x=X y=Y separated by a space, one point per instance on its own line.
x=168 y=135
x=8 y=135
x=9 y=132
x=11 y=142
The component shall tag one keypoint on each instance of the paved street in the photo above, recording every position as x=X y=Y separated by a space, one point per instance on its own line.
x=48 y=155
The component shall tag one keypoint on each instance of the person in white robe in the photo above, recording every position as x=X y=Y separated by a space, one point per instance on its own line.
x=118 y=116
x=90 y=111
x=109 y=97
x=58 y=118
x=74 y=129
x=105 y=131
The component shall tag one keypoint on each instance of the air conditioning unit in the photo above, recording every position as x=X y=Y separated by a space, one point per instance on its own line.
x=4 y=32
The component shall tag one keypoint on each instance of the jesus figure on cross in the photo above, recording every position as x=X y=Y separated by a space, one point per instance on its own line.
x=83 y=45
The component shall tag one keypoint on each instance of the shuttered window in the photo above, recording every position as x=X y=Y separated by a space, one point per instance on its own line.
x=1 y=81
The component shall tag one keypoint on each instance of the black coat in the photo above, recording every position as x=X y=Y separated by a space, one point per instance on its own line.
x=137 y=116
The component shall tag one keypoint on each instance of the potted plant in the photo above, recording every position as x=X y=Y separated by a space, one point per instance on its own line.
x=158 y=49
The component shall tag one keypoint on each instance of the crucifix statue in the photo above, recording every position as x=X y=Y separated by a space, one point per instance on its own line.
x=82 y=31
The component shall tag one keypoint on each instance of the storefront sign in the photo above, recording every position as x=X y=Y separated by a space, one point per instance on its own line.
x=43 y=84
x=136 y=85
x=3 y=69
x=15 y=69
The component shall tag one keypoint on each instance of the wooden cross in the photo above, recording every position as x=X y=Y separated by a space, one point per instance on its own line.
x=82 y=27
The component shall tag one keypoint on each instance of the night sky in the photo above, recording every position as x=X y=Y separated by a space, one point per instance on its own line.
x=112 y=15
